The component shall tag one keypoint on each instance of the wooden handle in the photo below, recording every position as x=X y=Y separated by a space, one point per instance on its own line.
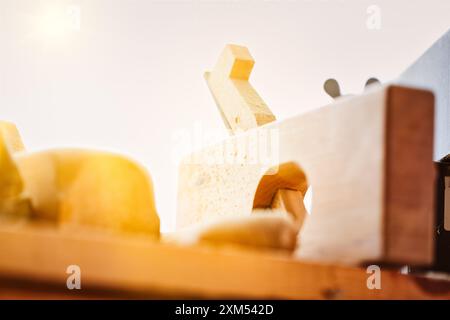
x=239 y=104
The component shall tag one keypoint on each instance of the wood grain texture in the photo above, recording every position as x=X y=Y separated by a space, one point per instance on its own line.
x=239 y=104
x=356 y=155
x=131 y=267
x=410 y=177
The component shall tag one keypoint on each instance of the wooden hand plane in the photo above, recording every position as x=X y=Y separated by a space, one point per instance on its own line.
x=368 y=160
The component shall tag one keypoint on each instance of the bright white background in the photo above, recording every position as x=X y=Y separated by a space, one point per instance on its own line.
x=128 y=74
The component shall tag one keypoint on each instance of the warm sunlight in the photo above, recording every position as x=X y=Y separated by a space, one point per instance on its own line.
x=57 y=21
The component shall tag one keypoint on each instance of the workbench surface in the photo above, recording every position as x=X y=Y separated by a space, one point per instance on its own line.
x=34 y=260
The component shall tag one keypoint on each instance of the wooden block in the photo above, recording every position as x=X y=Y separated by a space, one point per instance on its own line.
x=10 y=180
x=85 y=187
x=14 y=201
x=12 y=136
x=239 y=104
x=130 y=267
x=368 y=160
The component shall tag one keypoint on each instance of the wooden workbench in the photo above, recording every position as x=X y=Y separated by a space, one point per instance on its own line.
x=34 y=259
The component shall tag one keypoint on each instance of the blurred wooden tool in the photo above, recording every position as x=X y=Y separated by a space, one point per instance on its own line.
x=369 y=161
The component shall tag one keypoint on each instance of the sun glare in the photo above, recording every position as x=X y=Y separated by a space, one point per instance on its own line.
x=52 y=23
x=58 y=22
